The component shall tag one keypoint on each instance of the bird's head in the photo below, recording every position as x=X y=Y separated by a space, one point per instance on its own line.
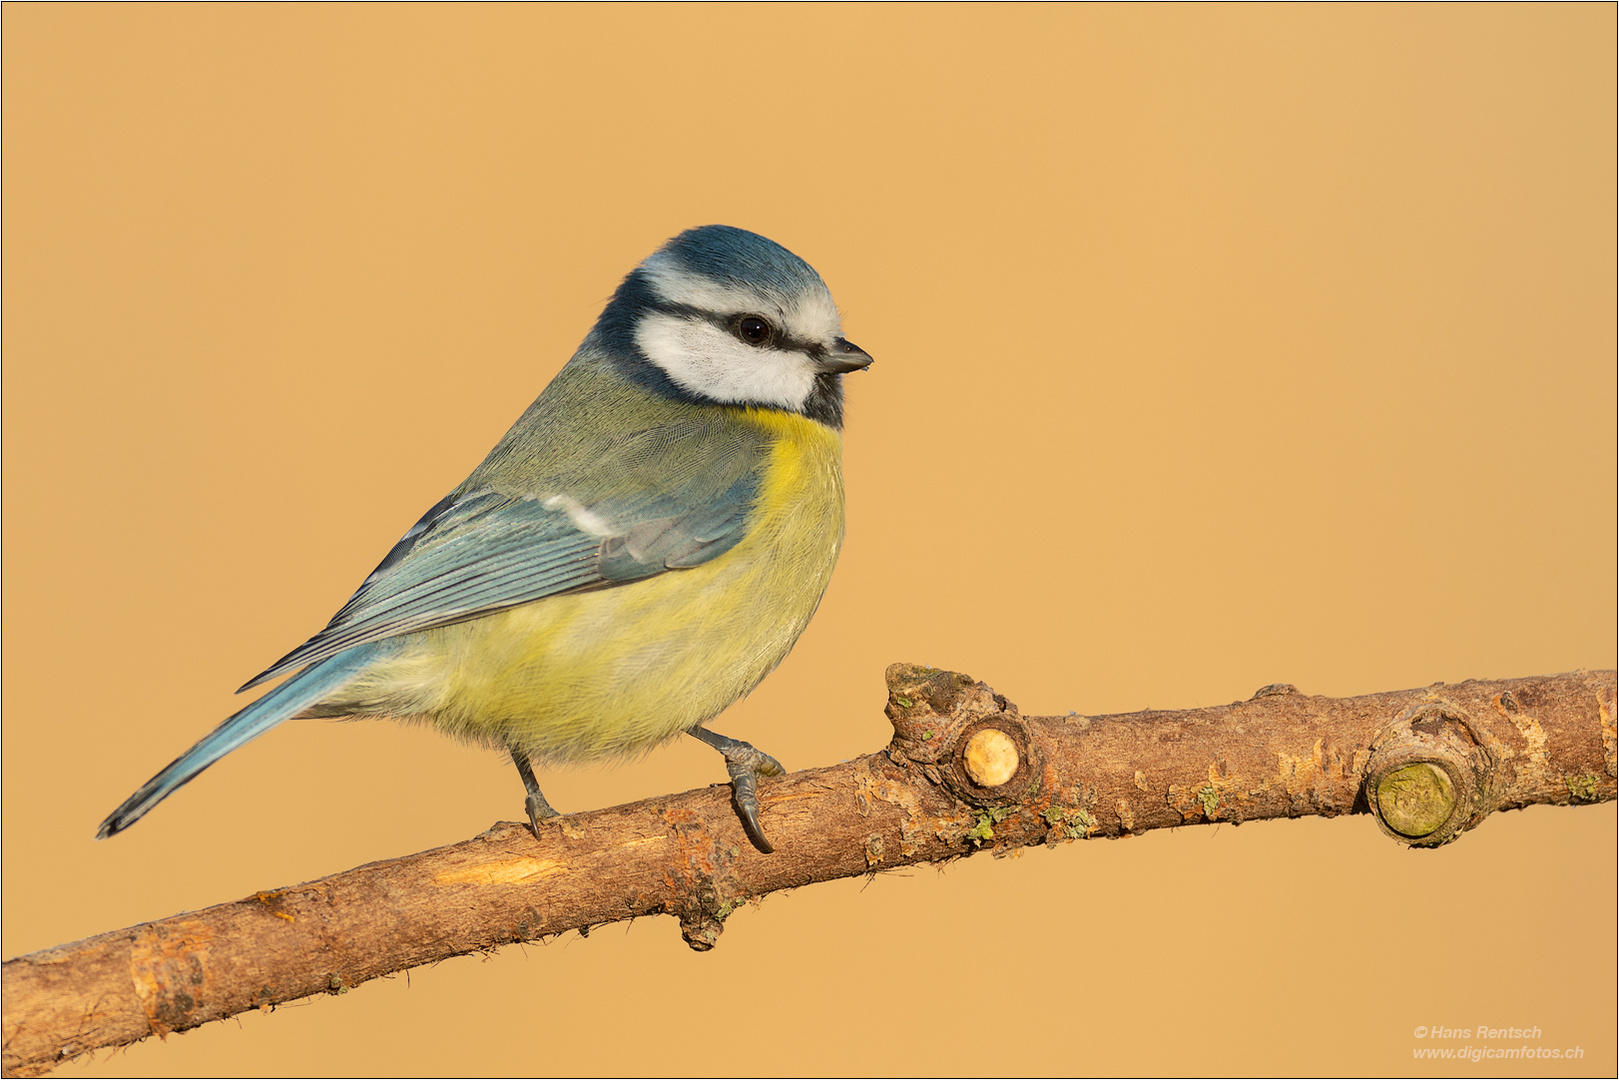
x=721 y=315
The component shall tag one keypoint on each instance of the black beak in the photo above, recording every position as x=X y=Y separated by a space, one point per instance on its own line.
x=844 y=356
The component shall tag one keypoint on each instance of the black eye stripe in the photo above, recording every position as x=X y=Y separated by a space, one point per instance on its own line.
x=779 y=338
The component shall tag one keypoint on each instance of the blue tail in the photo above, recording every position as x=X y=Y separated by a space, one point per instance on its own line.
x=284 y=702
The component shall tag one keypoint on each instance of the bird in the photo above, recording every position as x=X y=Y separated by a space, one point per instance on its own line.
x=642 y=547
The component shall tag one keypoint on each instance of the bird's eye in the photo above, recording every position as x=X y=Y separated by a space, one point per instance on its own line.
x=753 y=330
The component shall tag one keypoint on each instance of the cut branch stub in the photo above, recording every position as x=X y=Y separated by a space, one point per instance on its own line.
x=966 y=738
x=1429 y=776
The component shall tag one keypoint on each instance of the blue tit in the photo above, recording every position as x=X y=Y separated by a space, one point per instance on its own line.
x=642 y=547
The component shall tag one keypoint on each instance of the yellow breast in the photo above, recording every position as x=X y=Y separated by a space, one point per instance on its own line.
x=618 y=670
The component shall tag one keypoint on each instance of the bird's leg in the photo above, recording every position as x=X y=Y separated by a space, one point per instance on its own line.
x=746 y=765
x=537 y=806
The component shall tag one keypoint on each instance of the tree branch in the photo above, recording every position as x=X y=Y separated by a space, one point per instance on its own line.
x=964 y=772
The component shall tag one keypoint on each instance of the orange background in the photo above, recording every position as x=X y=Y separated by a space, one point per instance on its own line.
x=1215 y=347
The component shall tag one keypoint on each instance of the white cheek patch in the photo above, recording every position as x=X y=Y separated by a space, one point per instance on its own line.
x=703 y=359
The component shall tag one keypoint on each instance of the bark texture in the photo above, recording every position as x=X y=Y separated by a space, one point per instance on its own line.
x=965 y=772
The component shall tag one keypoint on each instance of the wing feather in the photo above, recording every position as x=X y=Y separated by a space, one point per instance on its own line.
x=481 y=551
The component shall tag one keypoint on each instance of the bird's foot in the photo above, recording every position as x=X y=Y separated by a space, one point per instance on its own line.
x=746 y=764
x=538 y=809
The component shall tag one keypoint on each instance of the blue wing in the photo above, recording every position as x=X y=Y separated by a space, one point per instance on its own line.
x=480 y=551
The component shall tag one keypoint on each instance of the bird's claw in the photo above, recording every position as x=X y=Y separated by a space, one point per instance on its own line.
x=746 y=764
x=538 y=810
